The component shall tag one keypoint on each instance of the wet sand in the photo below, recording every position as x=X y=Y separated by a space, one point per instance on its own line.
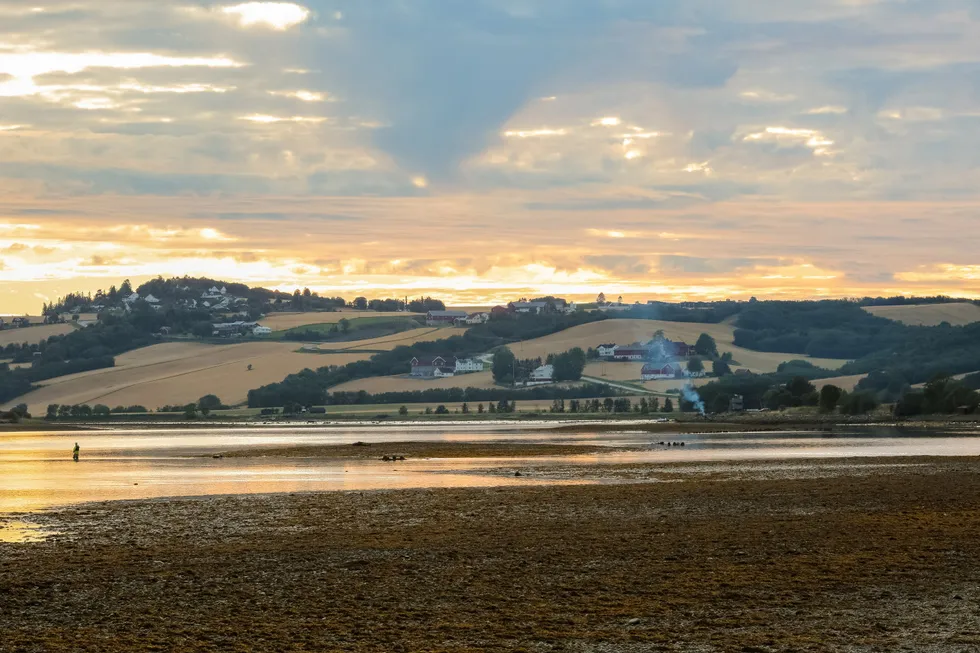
x=869 y=555
x=376 y=450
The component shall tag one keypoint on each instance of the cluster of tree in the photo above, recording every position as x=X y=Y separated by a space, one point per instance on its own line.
x=909 y=301
x=827 y=329
x=84 y=411
x=699 y=312
x=610 y=405
x=309 y=387
x=425 y=304
x=508 y=369
x=15 y=414
x=942 y=395
x=468 y=395
x=919 y=355
x=205 y=405
x=778 y=391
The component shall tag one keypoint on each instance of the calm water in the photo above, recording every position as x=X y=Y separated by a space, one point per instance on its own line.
x=36 y=470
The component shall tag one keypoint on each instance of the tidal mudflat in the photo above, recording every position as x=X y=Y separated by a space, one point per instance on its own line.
x=871 y=554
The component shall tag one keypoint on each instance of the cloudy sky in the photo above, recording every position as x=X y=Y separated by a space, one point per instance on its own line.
x=480 y=149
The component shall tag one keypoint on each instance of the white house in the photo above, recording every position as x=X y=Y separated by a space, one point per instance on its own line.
x=150 y=299
x=469 y=365
x=477 y=318
x=544 y=374
x=606 y=351
x=261 y=331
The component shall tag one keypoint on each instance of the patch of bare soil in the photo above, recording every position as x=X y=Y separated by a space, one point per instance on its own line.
x=859 y=559
x=422 y=450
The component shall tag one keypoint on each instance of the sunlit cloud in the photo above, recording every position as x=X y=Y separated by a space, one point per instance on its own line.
x=720 y=142
x=305 y=96
x=942 y=272
x=535 y=133
x=96 y=104
x=607 y=122
x=179 y=89
x=270 y=120
x=766 y=96
x=828 y=109
x=24 y=67
x=810 y=137
x=277 y=15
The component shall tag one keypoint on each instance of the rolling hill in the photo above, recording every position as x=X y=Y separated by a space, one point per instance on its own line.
x=957 y=314
x=180 y=373
x=591 y=335
x=628 y=331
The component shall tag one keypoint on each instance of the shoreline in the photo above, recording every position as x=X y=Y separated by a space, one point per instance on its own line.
x=684 y=423
x=864 y=553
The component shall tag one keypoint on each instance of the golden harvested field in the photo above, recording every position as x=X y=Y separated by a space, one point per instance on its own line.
x=33 y=335
x=381 y=384
x=387 y=343
x=180 y=373
x=624 y=332
x=286 y=321
x=847 y=383
x=929 y=314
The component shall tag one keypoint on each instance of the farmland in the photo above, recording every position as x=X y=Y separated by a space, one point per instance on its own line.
x=286 y=321
x=625 y=332
x=378 y=385
x=585 y=336
x=180 y=373
x=387 y=343
x=33 y=335
x=956 y=314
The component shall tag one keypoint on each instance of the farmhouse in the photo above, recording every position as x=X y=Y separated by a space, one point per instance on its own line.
x=231 y=328
x=474 y=319
x=528 y=307
x=631 y=353
x=679 y=349
x=435 y=367
x=657 y=371
x=499 y=311
x=606 y=351
x=544 y=374
x=261 y=331
x=444 y=318
x=468 y=365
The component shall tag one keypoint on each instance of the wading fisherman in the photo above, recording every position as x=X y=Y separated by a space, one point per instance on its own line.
x=74 y=453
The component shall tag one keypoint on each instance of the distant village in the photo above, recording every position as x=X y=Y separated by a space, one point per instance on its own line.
x=239 y=317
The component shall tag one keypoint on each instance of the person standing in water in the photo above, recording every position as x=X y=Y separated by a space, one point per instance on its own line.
x=74 y=453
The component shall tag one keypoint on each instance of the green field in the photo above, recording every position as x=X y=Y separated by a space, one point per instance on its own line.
x=362 y=328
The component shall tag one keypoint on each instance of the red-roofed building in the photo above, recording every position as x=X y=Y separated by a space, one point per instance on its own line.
x=656 y=371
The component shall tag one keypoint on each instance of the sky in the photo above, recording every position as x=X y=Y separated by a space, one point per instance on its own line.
x=482 y=150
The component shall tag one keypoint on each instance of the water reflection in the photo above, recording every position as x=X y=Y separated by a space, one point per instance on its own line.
x=19 y=532
x=36 y=470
